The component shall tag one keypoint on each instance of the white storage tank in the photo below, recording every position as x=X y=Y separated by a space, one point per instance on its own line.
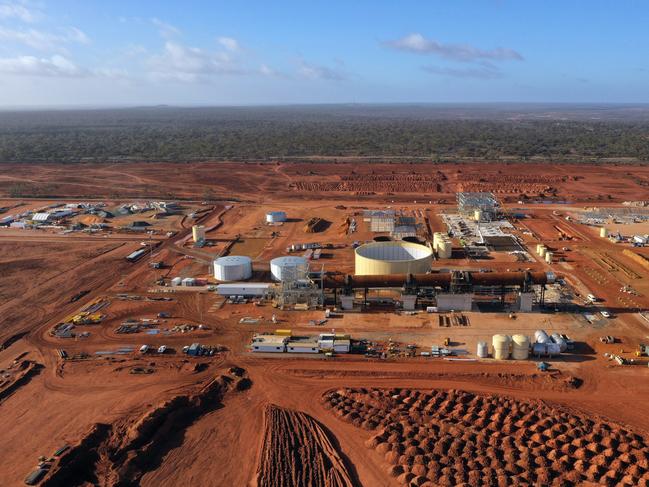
x=176 y=281
x=541 y=336
x=501 y=345
x=477 y=215
x=198 y=233
x=542 y=250
x=437 y=238
x=603 y=232
x=189 y=281
x=548 y=257
x=445 y=248
x=233 y=268
x=520 y=347
x=483 y=350
x=289 y=267
x=275 y=216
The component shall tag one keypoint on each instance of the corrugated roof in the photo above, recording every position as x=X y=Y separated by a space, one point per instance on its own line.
x=40 y=217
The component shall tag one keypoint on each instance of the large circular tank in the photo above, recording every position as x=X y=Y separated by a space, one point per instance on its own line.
x=501 y=346
x=483 y=350
x=541 y=337
x=233 y=268
x=520 y=347
x=292 y=267
x=275 y=217
x=400 y=257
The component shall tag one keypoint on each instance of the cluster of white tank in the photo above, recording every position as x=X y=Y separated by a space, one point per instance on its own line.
x=548 y=344
x=544 y=252
x=504 y=346
x=239 y=268
x=275 y=217
x=442 y=245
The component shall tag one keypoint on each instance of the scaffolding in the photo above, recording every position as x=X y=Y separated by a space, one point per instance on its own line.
x=308 y=292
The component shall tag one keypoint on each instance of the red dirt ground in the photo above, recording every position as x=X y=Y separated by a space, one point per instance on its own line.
x=205 y=420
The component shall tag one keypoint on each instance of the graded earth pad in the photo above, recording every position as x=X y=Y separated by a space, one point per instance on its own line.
x=452 y=437
x=297 y=451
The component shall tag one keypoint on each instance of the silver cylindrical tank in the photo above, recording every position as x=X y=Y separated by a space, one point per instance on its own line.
x=520 y=347
x=288 y=267
x=483 y=350
x=541 y=337
x=556 y=338
x=233 y=268
x=275 y=216
x=501 y=345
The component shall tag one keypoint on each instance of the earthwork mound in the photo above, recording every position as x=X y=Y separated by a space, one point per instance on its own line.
x=450 y=437
x=297 y=452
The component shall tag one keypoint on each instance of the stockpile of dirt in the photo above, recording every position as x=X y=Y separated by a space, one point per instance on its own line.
x=454 y=437
x=297 y=451
x=120 y=454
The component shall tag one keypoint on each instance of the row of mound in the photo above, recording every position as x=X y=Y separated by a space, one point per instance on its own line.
x=451 y=437
x=297 y=451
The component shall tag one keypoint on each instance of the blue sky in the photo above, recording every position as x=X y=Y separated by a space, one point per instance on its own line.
x=101 y=53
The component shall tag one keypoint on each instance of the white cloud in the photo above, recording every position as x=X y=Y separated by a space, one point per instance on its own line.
x=186 y=63
x=313 y=71
x=55 y=66
x=13 y=10
x=166 y=30
x=417 y=43
x=267 y=70
x=44 y=41
x=229 y=43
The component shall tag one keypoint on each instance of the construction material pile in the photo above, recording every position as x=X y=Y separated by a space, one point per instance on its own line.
x=315 y=225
